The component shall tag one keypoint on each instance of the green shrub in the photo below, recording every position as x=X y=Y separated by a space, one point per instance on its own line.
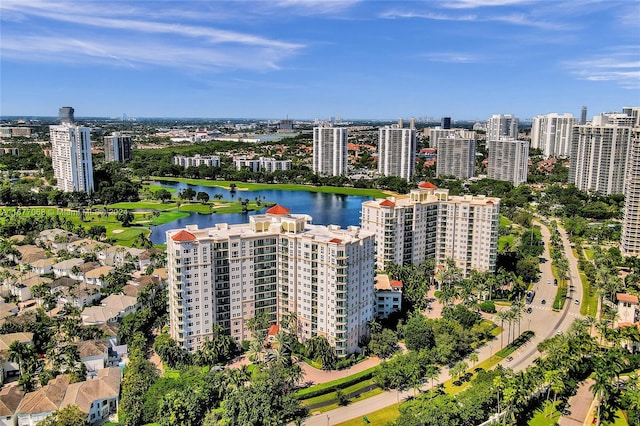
x=488 y=306
x=333 y=386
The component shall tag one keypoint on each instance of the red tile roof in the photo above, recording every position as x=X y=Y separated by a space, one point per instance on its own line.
x=278 y=209
x=335 y=240
x=622 y=297
x=489 y=202
x=273 y=330
x=183 y=236
x=388 y=203
x=427 y=185
x=395 y=283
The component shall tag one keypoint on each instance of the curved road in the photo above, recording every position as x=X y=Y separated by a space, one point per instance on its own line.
x=542 y=320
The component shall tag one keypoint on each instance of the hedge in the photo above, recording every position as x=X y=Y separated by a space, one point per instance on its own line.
x=334 y=385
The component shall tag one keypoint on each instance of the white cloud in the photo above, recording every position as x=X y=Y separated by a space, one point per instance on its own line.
x=472 y=4
x=519 y=19
x=451 y=57
x=123 y=38
x=621 y=65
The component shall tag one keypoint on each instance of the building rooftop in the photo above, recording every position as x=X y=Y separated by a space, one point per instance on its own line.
x=629 y=298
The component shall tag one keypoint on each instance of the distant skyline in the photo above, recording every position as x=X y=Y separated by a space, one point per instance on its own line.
x=306 y=59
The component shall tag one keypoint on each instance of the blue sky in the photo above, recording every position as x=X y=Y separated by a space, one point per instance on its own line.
x=318 y=58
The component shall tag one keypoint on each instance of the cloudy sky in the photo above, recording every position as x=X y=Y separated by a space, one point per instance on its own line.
x=318 y=58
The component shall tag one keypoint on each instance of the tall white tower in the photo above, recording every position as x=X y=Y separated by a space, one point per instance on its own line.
x=330 y=151
x=397 y=151
x=508 y=160
x=456 y=157
x=502 y=126
x=630 y=241
x=71 y=154
x=599 y=154
x=552 y=134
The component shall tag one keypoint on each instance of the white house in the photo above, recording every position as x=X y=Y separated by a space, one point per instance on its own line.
x=7 y=367
x=10 y=397
x=627 y=309
x=388 y=294
x=64 y=268
x=98 y=276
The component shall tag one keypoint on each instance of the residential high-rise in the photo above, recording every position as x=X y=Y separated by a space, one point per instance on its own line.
x=330 y=151
x=456 y=157
x=502 y=126
x=276 y=264
x=71 y=154
x=583 y=116
x=630 y=241
x=430 y=224
x=117 y=148
x=599 y=153
x=552 y=134
x=397 y=151
x=508 y=160
x=437 y=133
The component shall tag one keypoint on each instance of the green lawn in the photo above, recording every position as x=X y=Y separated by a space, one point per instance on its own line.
x=544 y=416
x=380 y=417
x=122 y=236
x=144 y=205
x=589 y=302
x=504 y=221
x=282 y=186
x=506 y=240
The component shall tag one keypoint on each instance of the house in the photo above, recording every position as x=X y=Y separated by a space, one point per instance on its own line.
x=125 y=305
x=98 y=398
x=83 y=246
x=83 y=269
x=144 y=259
x=79 y=295
x=10 y=397
x=56 y=239
x=65 y=268
x=627 y=309
x=43 y=266
x=113 y=308
x=94 y=354
x=97 y=276
x=29 y=254
x=8 y=368
x=388 y=294
x=8 y=310
x=94 y=315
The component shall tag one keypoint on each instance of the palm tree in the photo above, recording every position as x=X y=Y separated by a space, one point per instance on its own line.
x=431 y=372
x=473 y=357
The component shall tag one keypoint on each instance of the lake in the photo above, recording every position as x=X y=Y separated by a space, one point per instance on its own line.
x=325 y=209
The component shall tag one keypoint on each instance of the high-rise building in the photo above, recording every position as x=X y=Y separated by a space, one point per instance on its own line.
x=445 y=123
x=397 y=151
x=196 y=161
x=633 y=112
x=66 y=115
x=71 y=154
x=430 y=224
x=456 y=157
x=276 y=264
x=117 y=148
x=330 y=151
x=437 y=133
x=502 y=126
x=583 y=116
x=508 y=160
x=599 y=153
x=552 y=134
x=630 y=241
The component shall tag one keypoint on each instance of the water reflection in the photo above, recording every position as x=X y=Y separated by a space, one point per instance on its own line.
x=326 y=209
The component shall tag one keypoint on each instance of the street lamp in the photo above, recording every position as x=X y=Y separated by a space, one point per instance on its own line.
x=327 y=420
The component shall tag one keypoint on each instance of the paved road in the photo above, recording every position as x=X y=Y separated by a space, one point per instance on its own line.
x=542 y=320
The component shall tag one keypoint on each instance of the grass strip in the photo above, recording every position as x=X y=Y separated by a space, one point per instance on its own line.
x=365 y=192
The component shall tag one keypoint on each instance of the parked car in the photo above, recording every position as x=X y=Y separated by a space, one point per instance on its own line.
x=577 y=302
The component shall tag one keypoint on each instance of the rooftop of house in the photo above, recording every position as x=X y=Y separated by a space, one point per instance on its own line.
x=68 y=264
x=7 y=339
x=90 y=348
x=629 y=298
x=101 y=271
x=118 y=301
x=10 y=397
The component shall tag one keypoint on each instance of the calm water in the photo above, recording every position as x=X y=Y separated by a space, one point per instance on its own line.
x=325 y=209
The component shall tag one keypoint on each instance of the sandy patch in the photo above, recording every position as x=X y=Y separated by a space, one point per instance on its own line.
x=117 y=231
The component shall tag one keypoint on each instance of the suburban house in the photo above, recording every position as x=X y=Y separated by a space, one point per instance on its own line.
x=95 y=355
x=79 y=295
x=65 y=268
x=43 y=266
x=56 y=239
x=29 y=254
x=97 y=276
x=97 y=397
x=113 y=308
x=10 y=397
x=8 y=368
